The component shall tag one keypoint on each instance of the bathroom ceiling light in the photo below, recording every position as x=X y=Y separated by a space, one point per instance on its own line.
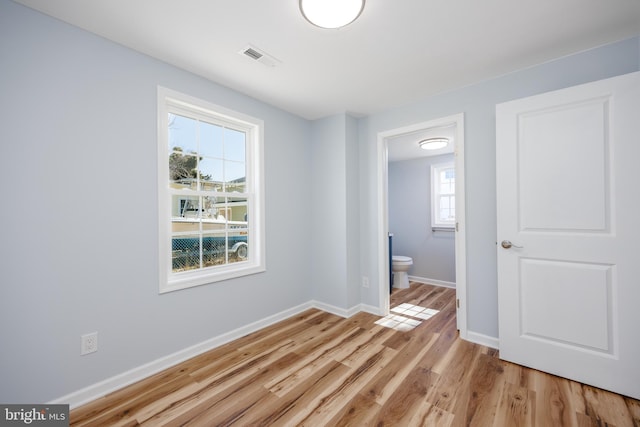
x=433 y=143
x=331 y=13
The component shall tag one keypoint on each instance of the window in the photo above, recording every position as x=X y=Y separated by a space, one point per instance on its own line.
x=211 y=213
x=443 y=195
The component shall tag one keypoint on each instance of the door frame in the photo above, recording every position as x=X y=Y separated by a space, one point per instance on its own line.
x=383 y=214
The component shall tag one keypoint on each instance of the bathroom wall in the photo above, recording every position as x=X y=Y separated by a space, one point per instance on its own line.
x=433 y=252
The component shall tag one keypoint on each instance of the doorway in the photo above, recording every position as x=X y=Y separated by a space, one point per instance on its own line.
x=455 y=126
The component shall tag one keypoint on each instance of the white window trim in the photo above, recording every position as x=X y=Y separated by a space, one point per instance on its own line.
x=435 y=192
x=255 y=263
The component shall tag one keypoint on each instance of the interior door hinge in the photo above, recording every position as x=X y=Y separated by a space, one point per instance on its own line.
x=457 y=226
x=458 y=303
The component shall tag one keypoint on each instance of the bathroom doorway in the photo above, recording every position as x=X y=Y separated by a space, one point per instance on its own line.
x=398 y=145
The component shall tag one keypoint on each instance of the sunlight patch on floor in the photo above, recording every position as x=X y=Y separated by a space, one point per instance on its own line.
x=400 y=317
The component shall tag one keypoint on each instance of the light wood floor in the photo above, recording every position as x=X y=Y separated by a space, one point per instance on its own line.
x=318 y=369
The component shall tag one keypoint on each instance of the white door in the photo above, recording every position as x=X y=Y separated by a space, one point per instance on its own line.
x=568 y=199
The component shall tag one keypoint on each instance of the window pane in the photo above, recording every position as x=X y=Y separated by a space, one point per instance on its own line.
x=446 y=209
x=182 y=134
x=238 y=246
x=234 y=145
x=211 y=174
x=211 y=140
x=183 y=170
x=447 y=181
x=185 y=207
x=235 y=176
x=443 y=208
x=214 y=213
x=237 y=208
x=238 y=229
x=185 y=253
x=444 y=202
x=214 y=247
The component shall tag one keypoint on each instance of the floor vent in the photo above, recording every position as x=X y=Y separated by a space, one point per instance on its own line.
x=259 y=55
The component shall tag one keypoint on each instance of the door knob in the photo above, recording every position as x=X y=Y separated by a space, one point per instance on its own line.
x=508 y=245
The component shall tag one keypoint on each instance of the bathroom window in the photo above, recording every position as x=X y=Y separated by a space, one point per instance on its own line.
x=443 y=195
x=210 y=182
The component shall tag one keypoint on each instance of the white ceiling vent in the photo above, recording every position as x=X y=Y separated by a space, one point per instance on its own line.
x=260 y=56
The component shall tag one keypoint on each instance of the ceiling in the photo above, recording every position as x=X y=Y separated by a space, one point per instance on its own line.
x=406 y=146
x=397 y=52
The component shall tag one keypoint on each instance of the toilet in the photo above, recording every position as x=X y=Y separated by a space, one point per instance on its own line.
x=400 y=266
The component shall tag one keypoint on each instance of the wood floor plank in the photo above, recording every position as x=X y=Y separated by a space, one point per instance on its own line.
x=479 y=399
x=516 y=374
x=122 y=411
x=455 y=378
x=351 y=352
x=319 y=369
x=312 y=361
x=389 y=380
x=399 y=409
x=554 y=405
x=516 y=407
x=430 y=415
x=235 y=402
x=296 y=405
x=332 y=403
x=607 y=408
x=359 y=411
x=634 y=410
x=239 y=372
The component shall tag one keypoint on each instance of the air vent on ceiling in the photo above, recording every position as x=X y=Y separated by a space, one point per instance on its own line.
x=259 y=55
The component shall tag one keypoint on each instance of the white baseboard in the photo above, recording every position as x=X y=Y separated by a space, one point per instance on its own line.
x=342 y=312
x=482 y=339
x=371 y=309
x=435 y=282
x=346 y=312
x=119 y=381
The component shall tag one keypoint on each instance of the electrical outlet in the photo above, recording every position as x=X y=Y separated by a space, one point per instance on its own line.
x=365 y=282
x=88 y=343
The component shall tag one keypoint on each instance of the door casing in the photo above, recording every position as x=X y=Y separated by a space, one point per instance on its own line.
x=383 y=214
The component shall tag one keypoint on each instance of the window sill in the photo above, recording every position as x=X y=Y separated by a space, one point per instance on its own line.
x=197 y=278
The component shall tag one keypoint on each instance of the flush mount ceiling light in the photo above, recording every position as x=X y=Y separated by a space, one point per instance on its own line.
x=331 y=13
x=433 y=143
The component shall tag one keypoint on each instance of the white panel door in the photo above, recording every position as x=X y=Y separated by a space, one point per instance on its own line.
x=568 y=200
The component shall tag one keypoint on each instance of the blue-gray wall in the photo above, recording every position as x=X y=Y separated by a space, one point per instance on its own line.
x=335 y=203
x=433 y=252
x=79 y=219
x=327 y=247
